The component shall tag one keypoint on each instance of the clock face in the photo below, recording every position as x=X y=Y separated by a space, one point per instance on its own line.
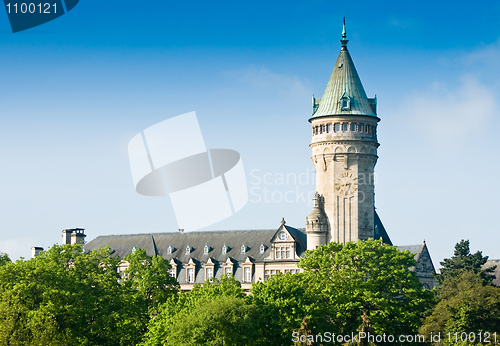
x=282 y=236
x=346 y=184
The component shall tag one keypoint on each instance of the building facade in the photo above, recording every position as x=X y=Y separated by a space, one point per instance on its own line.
x=344 y=153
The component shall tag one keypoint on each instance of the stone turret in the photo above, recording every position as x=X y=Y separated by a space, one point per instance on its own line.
x=316 y=224
x=344 y=152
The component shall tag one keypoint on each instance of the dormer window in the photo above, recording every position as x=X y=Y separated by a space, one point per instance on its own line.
x=262 y=248
x=243 y=248
x=170 y=249
x=188 y=250
x=206 y=249
x=345 y=103
x=133 y=249
x=224 y=248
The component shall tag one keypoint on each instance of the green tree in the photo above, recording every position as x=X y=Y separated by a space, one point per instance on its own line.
x=366 y=286
x=288 y=306
x=62 y=297
x=187 y=306
x=217 y=322
x=463 y=260
x=150 y=276
x=4 y=259
x=68 y=297
x=465 y=305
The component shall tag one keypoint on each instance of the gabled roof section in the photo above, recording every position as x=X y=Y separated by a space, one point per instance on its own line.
x=296 y=235
x=380 y=231
x=344 y=83
x=496 y=273
x=425 y=267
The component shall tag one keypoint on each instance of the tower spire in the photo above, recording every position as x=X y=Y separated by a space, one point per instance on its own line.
x=344 y=39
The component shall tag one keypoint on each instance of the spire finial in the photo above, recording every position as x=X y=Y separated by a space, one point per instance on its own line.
x=344 y=39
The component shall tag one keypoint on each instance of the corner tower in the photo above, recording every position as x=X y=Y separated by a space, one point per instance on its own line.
x=344 y=153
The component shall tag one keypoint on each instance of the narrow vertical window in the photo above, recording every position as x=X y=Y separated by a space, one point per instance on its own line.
x=248 y=274
x=278 y=253
x=210 y=273
x=172 y=272
x=337 y=127
x=345 y=127
x=353 y=127
x=229 y=271
x=288 y=253
x=190 y=275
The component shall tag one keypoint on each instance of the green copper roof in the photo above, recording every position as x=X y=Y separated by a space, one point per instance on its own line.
x=344 y=93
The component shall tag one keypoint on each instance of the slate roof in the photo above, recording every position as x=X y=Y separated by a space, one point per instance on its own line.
x=158 y=243
x=380 y=231
x=491 y=263
x=344 y=81
x=416 y=249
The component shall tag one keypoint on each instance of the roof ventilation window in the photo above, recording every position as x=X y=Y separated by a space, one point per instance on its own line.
x=206 y=250
x=188 y=250
x=262 y=248
x=170 y=249
x=243 y=248
x=345 y=103
x=225 y=248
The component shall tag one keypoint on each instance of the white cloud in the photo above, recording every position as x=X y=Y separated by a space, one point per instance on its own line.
x=400 y=23
x=263 y=78
x=452 y=115
x=488 y=56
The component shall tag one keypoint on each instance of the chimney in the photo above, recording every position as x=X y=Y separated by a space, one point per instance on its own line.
x=73 y=236
x=35 y=251
x=181 y=230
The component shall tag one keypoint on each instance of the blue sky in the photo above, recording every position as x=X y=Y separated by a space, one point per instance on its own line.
x=74 y=91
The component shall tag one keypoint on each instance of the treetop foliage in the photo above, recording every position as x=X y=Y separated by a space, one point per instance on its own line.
x=68 y=297
x=463 y=260
x=4 y=259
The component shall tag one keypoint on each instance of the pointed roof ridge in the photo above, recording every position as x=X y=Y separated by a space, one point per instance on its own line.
x=344 y=84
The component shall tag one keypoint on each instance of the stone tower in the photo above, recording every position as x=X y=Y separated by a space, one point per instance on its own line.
x=344 y=153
